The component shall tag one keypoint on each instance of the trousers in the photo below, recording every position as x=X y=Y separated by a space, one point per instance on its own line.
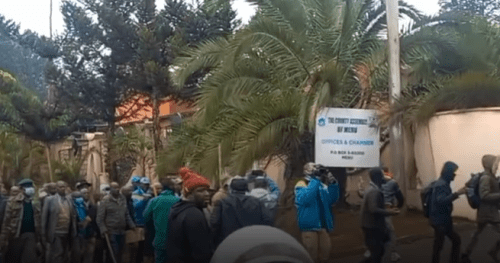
x=22 y=249
x=375 y=239
x=475 y=237
x=318 y=244
x=440 y=232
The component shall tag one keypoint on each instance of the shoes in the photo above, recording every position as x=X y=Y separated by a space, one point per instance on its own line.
x=395 y=257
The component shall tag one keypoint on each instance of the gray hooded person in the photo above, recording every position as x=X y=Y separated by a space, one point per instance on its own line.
x=487 y=212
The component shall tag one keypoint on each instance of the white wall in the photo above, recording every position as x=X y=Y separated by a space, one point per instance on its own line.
x=461 y=137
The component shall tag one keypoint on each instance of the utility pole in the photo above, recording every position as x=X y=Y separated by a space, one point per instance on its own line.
x=50 y=19
x=396 y=131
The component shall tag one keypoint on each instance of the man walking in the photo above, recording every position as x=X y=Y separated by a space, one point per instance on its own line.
x=393 y=198
x=112 y=219
x=373 y=215
x=157 y=212
x=440 y=210
x=189 y=236
x=314 y=198
x=59 y=224
x=487 y=212
x=238 y=210
x=21 y=226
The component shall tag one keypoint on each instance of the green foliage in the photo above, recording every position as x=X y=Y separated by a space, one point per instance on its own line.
x=19 y=156
x=68 y=170
x=457 y=77
x=134 y=145
x=268 y=80
x=485 y=8
x=20 y=58
x=22 y=110
x=466 y=91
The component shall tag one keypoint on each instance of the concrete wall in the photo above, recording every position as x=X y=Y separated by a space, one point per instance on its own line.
x=459 y=136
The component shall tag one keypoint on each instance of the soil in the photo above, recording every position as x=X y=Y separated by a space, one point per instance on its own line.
x=347 y=237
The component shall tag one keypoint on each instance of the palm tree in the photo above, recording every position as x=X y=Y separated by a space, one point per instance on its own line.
x=69 y=170
x=455 y=77
x=268 y=80
x=134 y=145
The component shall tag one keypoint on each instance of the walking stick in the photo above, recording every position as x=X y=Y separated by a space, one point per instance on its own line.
x=110 y=248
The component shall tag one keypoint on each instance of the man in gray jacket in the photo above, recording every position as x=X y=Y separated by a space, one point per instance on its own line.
x=58 y=224
x=487 y=212
x=113 y=218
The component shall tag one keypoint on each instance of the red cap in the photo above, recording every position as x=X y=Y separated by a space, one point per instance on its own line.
x=192 y=180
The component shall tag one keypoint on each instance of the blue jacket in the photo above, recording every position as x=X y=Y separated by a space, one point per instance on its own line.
x=140 y=200
x=442 y=197
x=314 y=202
x=273 y=187
x=81 y=209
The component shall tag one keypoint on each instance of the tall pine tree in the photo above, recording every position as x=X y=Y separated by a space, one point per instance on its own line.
x=485 y=8
x=111 y=50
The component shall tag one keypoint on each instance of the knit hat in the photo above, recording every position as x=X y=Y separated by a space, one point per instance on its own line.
x=192 y=180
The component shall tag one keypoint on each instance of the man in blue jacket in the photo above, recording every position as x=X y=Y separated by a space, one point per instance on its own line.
x=440 y=210
x=314 y=197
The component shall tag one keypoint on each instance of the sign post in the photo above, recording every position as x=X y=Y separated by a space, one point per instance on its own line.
x=395 y=131
x=347 y=138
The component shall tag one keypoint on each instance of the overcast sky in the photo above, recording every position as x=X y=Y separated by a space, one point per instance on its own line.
x=34 y=14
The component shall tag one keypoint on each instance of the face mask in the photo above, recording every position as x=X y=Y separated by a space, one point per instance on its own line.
x=30 y=191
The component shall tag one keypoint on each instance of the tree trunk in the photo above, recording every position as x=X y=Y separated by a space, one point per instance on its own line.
x=47 y=152
x=156 y=121
x=2 y=168
x=286 y=218
x=110 y=168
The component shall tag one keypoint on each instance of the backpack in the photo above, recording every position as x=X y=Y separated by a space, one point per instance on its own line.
x=426 y=197
x=472 y=187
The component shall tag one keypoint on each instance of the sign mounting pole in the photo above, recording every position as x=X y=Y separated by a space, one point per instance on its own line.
x=396 y=131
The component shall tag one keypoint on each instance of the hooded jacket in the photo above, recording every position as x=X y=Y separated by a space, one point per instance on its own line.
x=314 y=201
x=236 y=211
x=489 y=193
x=442 y=197
x=189 y=237
x=269 y=200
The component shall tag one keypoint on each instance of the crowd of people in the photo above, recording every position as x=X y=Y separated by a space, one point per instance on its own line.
x=180 y=219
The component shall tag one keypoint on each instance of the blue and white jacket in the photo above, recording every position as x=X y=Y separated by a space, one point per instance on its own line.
x=314 y=202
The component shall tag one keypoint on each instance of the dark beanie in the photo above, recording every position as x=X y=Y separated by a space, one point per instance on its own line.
x=240 y=185
x=376 y=174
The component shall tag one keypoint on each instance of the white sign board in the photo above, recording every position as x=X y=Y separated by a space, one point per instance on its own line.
x=347 y=138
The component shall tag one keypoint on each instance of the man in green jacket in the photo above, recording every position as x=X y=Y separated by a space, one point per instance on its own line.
x=157 y=211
